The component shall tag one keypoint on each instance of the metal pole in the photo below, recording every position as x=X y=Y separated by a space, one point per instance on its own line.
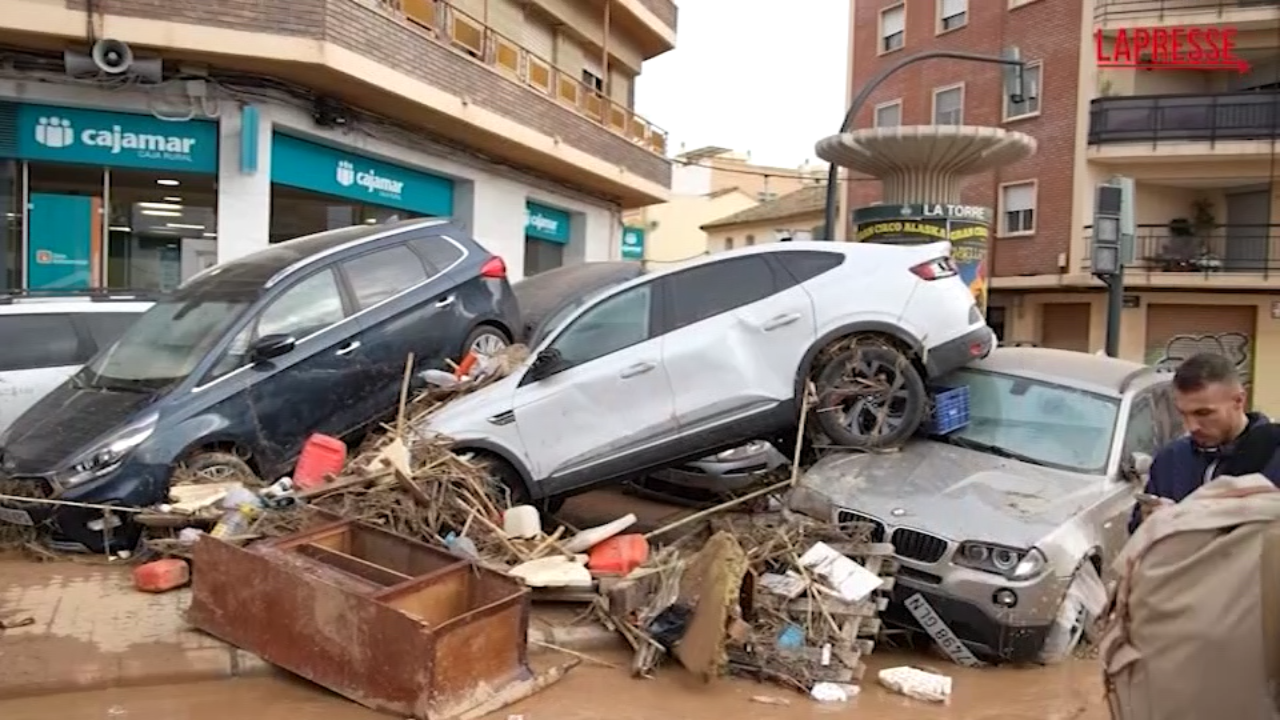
x=1115 y=306
x=865 y=93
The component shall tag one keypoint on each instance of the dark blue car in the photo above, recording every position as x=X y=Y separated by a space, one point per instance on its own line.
x=235 y=369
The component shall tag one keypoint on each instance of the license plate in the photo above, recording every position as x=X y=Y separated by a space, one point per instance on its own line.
x=16 y=517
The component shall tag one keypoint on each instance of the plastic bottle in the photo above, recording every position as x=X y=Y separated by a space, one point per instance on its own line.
x=235 y=522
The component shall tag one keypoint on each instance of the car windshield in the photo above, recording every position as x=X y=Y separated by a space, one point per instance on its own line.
x=557 y=318
x=1035 y=421
x=165 y=344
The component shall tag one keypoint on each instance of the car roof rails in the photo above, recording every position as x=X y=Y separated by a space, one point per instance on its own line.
x=8 y=297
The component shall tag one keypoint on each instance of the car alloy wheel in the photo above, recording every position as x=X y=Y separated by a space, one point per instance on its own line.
x=488 y=344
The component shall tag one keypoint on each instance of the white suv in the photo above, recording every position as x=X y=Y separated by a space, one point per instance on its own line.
x=676 y=365
x=48 y=336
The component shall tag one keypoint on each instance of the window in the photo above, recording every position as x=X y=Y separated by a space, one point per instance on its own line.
x=766 y=196
x=893 y=28
x=1030 y=105
x=380 y=275
x=948 y=106
x=728 y=243
x=709 y=290
x=106 y=328
x=616 y=323
x=1168 y=419
x=593 y=81
x=1018 y=208
x=1045 y=423
x=805 y=265
x=439 y=253
x=308 y=307
x=889 y=114
x=952 y=14
x=43 y=341
x=750 y=240
x=1141 y=435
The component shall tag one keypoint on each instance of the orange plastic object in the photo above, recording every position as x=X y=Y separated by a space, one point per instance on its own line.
x=464 y=367
x=321 y=456
x=618 y=555
x=162 y=575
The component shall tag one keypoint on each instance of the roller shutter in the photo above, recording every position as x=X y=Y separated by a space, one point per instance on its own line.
x=1065 y=326
x=1175 y=332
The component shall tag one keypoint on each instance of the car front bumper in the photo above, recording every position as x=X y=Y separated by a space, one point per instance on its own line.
x=79 y=529
x=989 y=630
x=953 y=354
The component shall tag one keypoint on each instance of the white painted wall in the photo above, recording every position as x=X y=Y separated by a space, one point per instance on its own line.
x=489 y=201
x=690 y=179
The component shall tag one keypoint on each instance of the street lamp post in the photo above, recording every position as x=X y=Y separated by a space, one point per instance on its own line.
x=1011 y=58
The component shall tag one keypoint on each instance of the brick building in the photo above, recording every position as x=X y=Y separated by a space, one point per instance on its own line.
x=1199 y=142
x=141 y=141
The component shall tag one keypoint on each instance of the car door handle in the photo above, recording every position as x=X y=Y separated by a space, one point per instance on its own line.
x=349 y=348
x=638 y=369
x=445 y=302
x=780 y=321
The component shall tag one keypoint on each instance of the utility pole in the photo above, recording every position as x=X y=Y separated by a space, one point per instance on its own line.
x=1112 y=238
x=1015 y=86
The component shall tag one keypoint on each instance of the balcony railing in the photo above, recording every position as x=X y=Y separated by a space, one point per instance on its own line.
x=467 y=35
x=1163 y=118
x=1123 y=9
x=1222 y=250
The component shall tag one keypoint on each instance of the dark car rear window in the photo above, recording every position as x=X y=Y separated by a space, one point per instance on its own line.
x=106 y=328
x=51 y=341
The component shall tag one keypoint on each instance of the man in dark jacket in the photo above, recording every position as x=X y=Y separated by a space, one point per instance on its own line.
x=1221 y=439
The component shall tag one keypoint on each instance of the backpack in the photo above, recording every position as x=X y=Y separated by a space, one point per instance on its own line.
x=1185 y=639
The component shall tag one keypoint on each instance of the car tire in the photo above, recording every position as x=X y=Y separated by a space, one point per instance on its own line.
x=217 y=466
x=485 y=340
x=855 y=426
x=1070 y=624
x=505 y=476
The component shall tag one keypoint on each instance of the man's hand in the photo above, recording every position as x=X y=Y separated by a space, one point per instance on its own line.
x=1148 y=504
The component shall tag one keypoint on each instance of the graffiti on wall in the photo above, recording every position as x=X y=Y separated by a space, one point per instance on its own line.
x=1235 y=346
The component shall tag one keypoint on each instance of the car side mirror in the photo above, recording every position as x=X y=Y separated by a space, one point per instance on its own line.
x=270 y=347
x=1137 y=467
x=545 y=363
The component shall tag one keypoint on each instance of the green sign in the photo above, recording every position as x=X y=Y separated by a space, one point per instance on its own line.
x=919 y=230
x=632 y=243
x=923 y=211
x=111 y=139
x=546 y=223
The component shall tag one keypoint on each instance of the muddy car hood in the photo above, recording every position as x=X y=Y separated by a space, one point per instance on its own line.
x=955 y=492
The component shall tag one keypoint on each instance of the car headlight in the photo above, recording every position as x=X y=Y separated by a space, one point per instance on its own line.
x=807 y=501
x=107 y=455
x=1012 y=563
x=744 y=451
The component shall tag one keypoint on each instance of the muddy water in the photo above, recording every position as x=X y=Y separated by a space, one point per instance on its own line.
x=1069 y=692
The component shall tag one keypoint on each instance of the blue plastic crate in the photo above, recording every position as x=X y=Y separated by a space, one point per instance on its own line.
x=950 y=410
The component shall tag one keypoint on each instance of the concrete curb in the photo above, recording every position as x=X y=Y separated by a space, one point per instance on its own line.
x=198 y=664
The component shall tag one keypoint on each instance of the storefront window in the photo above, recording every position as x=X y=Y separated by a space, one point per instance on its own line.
x=64 y=226
x=162 y=230
x=541 y=256
x=10 y=225
x=546 y=232
x=295 y=213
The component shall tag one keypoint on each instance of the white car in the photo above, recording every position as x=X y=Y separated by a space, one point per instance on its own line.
x=677 y=365
x=47 y=337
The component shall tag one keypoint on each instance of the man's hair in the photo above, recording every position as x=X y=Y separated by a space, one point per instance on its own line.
x=1203 y=369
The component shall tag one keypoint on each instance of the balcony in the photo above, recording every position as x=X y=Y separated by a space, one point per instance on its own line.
x=1111 y=15
x=1183 y=127
x=1226 y=253
x=470 y=37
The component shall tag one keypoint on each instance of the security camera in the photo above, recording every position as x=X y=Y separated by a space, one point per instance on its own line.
x=112 y=56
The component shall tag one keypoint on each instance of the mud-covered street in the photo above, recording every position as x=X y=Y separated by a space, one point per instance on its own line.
x=1069 y=692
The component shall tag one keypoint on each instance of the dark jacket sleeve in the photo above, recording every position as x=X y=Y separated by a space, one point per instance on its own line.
x=1156 y=483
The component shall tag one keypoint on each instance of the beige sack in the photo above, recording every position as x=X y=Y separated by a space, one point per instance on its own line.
x=1185 y=639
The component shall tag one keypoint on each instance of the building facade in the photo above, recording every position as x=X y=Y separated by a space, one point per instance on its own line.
x=137 y=148
x=1200 y=143
x=794 y=216
x=708 y=184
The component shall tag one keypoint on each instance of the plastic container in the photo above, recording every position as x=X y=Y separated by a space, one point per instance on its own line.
x=950 y=410
x=522 y=521
x=618 y=555
x=235 y=522
x=162 y=575
x=321 y=456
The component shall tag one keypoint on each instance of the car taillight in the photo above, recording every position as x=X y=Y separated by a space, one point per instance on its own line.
x=494 y=268
x=935 y=269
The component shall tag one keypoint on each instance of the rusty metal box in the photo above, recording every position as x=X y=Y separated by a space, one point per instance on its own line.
x=391 y=623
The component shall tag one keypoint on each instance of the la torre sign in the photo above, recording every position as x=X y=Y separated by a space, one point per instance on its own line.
x=1177 y=48
x=926 y=211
